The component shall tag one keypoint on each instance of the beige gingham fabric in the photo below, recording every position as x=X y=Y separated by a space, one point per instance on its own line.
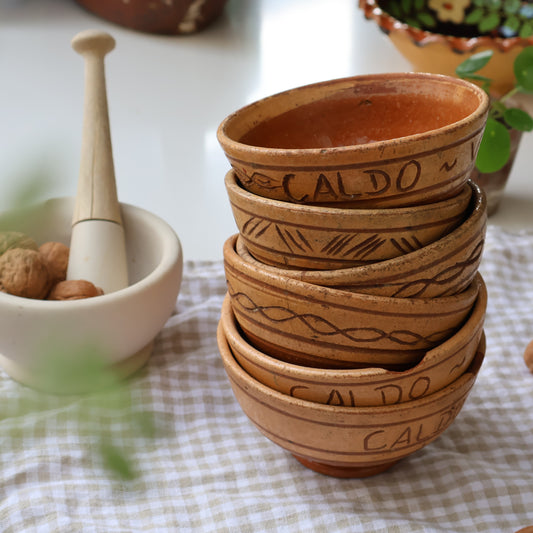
x=208 y=469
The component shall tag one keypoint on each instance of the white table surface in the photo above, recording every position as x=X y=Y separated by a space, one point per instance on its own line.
x=167 y=96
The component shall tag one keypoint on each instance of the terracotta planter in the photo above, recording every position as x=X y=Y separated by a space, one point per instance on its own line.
x=158 y=16
x=347 y=441
x=316 y=237
x=380 y=140
x=361 y=387
x=493 y=183
x=323 y=327
x=442 y=268
x=442 y=52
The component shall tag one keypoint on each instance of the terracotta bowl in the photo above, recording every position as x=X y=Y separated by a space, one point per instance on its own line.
x=320 y=238
x=120 y=326
x=164 y=17
x=363 y=387
x=439 y=53
x=380 y=140
x=347 y=441
x=323 y=327
x=442 y=268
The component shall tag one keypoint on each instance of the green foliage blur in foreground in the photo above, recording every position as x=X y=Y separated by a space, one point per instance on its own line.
x=93 y=400
x=495 y=148
x=104 y=412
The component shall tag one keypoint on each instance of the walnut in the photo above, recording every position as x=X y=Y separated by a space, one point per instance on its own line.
x=15 y=239
x=55 y=255
x=23 y=273
x=74 y=289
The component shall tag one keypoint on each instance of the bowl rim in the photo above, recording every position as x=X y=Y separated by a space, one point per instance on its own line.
x=235 y=148
x=339 y=298
x=478 y=215
x=233 y=187
x=402 y=409
x=171 y=255
x=388 y=24
x=375 y=375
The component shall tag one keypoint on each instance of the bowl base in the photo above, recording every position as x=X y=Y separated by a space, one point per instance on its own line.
x=344 y=471
x=123 y=369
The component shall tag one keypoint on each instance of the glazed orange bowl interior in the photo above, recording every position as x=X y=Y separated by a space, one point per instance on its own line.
x=355 y=114
x=381 y=140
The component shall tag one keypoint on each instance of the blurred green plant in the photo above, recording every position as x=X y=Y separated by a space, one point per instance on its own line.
x=504 y=18
x=509 y=17
x=97 y=398
x=411 y=12
x=495 y=148
x=103 y=407
x=28 y=187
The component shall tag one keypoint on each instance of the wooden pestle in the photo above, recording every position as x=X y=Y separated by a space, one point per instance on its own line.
x=97 y=247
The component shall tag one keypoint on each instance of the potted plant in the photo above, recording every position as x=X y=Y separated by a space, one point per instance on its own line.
x=465 y=18
x=505 y=124
x=437 y=35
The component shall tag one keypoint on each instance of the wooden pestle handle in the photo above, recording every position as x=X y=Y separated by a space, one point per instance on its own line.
x=96 y=198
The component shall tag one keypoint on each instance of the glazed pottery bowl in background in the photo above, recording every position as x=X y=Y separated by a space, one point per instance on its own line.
x=442 y=268
x=346 y=441
x=121 y=325
x=381 y=140
x=428 y=51
x=361 y=387
x=164 y=17
x=321 y=238
x=323 y=327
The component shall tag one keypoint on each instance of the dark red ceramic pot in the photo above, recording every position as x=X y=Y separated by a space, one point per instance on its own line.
x=170 y=17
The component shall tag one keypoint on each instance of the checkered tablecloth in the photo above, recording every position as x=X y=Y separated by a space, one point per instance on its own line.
x=208 y=469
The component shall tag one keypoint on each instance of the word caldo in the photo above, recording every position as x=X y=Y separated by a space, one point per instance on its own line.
x=328 y=187
x=385 y=394
x=410 y=435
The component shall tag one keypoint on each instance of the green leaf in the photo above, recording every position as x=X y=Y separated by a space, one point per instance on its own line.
x=511 y=6
x=512 y=23
x=526 y=30
x=116 y=460
x=85 y=368
x=412 y=22
x=475 y=16
x=474 y=63
x=477 y=77
x=489 y=23
x=406 y=6
x=523 y=69
x=498 y=108
x=494 y=4
x=518 y=119
x=146 y=424
x=419 y=4
x=427 y=20
x=495 y=147
x=394 y=10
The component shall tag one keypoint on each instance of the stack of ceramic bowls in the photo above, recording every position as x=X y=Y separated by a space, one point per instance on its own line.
x=352 y=330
